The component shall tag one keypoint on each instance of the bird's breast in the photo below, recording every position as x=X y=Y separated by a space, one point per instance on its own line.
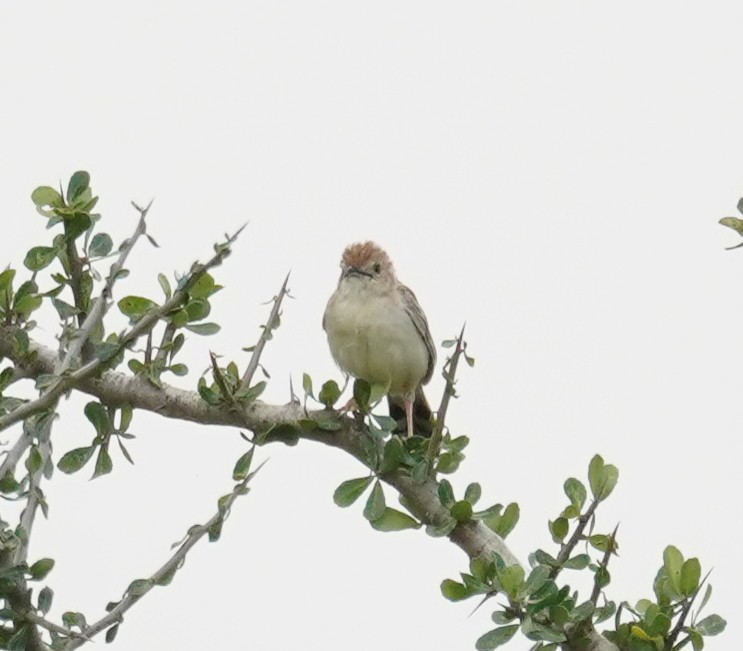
x=373 y=338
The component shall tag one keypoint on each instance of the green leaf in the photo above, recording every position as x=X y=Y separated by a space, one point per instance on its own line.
x=70 y=619
x=604 y=612
x=204 y=328
x=375 y=505
x=103 y=464
x=386 y=423
x=18 y=640
x=349 y=491
x=394 y=520
x=75 y=459
x=446 y=493
x=497 y=637
x=138 y=587
x=111 y=633
x=502 y=617
x=512 y=580
x=691 y=572
x=461 y=511
x=599 y=541
x=27 y=304
x=39 y=257
x=448 y=462
x=329 y=393
x=76 y=225
x=442 y=529
x=472 y=493
x=453 y=590
x=609 y=478
x=203 y=287
x=559 y=529
x=65 y=310
x=734 y=223
x=79 y=183
x=711 y=625
x=537 y=578
x=559 y=615
x=392 y=456
x=135 y=306
x=602 y=478
x=178 y=318
x=595 y=468
x=307 y=385
x=602 y=577
x=6 y=280
x=178 y=369
x=33 y=461
x=508 y=520
x=361 y=394
x=96 y=413
x=660 y=625
x=100 y=245
x=41 y=568
x=576 y=492
x=198 y=309
x=705 y=599
x=579 y=562
x=242 y=467
x=673 y=561
x=164 y=285
x=44 y=196
x=697 y=641
x=215 y=531
x=45 y=599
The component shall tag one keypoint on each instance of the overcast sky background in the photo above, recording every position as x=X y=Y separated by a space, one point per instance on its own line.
x=550 y=173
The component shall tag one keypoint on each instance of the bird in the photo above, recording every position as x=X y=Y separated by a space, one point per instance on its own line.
x=378 y=332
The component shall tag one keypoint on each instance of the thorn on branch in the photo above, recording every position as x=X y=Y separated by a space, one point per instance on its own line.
x=450 y=374
x=271 y=325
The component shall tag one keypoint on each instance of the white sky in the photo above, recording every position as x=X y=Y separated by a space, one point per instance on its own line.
x=552 y=173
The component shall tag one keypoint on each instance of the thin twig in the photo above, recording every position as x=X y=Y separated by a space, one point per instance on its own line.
x=28 y=516
x=51 y=394
x=568 y=547
x=166 y=570
x=162 y=351
x=265 y=336
x=101 y=304
x=685 y=609
x=141 y=327
x=450 y=375
x=610 y=547
x=219 y=379
x=55 y=628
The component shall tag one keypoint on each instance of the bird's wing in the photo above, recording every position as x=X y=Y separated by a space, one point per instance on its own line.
x=421 y=325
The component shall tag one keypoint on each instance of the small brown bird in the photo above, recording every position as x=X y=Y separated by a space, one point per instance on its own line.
x=377 y=332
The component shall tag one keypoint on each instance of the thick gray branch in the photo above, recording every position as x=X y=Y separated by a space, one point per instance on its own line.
x=117 y=389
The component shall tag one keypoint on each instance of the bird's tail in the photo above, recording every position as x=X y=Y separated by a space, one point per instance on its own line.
x=422 y=415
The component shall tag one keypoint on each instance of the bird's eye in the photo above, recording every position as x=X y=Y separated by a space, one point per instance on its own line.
x=377 y=268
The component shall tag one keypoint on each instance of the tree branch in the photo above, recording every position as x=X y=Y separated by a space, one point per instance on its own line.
x=141 y=327
x=284 y=423
x=271 y=324
x=165 y=574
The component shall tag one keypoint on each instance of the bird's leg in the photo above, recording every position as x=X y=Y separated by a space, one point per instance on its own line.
x=408 y=404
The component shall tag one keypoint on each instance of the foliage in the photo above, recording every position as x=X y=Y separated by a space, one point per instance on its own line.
x=65 y=275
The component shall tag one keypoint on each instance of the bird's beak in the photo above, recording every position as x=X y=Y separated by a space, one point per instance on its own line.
x=355 y=271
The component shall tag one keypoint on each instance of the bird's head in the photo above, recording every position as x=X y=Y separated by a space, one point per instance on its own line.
x=367 y=263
